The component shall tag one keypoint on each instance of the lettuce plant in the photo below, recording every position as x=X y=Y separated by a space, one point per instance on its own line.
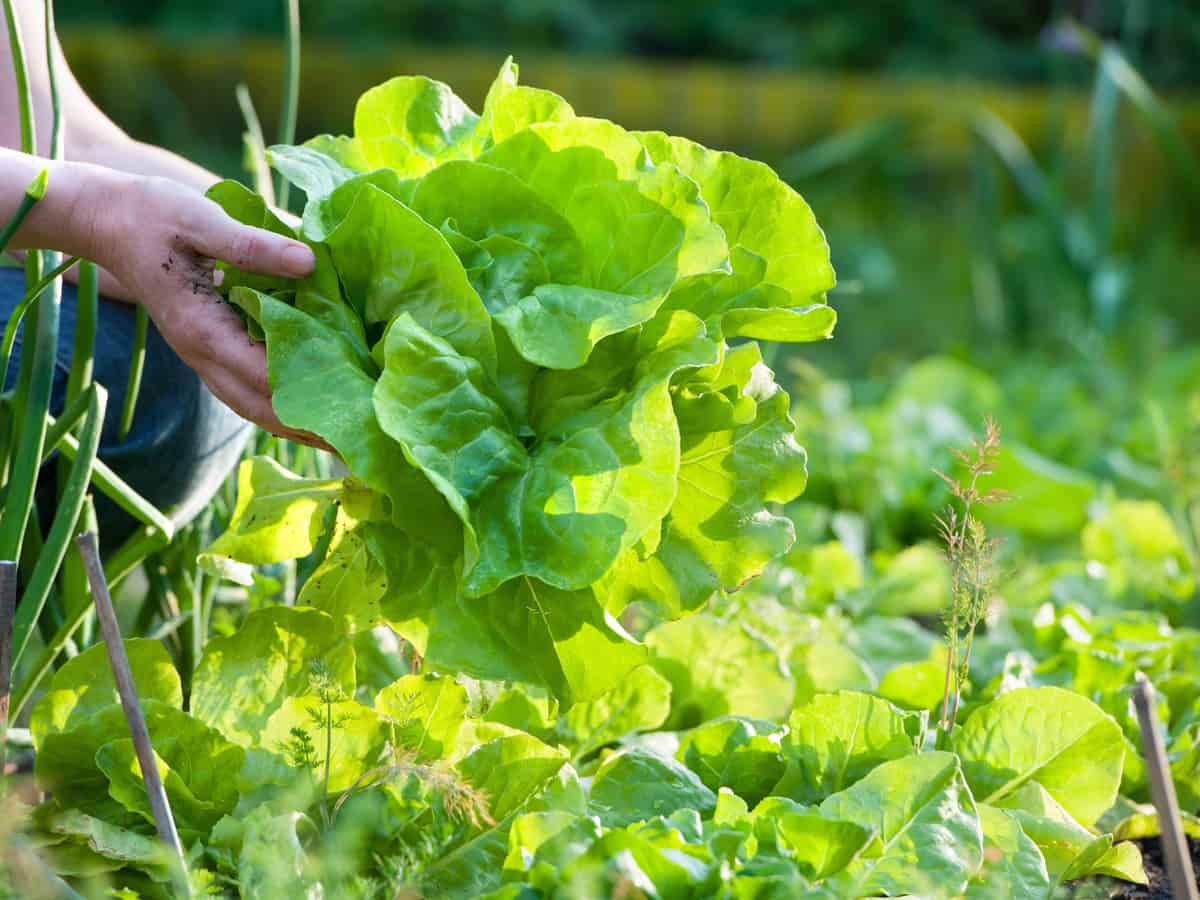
x=530 y=338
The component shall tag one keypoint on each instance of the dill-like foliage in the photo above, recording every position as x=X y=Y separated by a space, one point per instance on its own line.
x=972 y=557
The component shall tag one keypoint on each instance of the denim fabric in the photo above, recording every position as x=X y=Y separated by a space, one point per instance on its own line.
x=183 y=441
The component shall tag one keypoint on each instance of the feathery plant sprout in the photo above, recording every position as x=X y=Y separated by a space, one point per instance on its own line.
x=972 y=557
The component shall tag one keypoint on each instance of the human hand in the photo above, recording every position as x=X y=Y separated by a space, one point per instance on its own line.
x=161 y=241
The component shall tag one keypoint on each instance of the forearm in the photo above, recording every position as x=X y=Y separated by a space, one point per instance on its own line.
x=116 y=150
x=68 y=218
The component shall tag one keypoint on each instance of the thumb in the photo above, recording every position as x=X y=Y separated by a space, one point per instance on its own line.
x=251 y=249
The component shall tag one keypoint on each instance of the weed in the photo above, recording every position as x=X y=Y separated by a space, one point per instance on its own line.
x=972 y=557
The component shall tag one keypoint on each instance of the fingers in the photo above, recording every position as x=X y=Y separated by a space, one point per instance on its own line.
x=256 y=250
x=209 y=335
x=235 y=368
x=254 y=406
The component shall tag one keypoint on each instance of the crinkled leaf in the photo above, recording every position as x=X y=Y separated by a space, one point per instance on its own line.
x=391 y=261
x=737 y=753
x=306 y=358
x=758 y=212
x=510 y=107
x=594 y=488
x=68 y=764
x=836 y=740
x=440 y=408
x=411 y=123
x=195 y=763
x=720 y=532
x=122 y=846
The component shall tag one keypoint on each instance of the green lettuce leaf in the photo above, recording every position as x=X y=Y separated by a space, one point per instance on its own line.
x=85 y=686
x=1012 y=863
x=738 y=753
x=241 y=680
x=509 y=766
x=195 y=763
x=1057 y=738
x=641 y=701
x=820 y=846
x=928 y=840
x=637 y=785
x=836 y=740
x=717 y=668
x=427 y=712
x=278 y=516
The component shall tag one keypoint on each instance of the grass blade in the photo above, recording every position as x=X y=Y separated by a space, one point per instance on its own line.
x=70 y=507
x=122 y=562
x=137 y=363
x=118 y=490
x=87 y=314
x=29 y=422
x=18 y=314
x=21 y=76
x=998 y=136
x=255 y=145
x=291 y=90
x=8 y=606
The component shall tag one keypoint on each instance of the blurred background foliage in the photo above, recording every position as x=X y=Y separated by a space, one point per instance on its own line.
x=997 y=189
x=985 y=38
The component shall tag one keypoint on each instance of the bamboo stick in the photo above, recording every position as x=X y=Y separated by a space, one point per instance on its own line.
x=1162 y=790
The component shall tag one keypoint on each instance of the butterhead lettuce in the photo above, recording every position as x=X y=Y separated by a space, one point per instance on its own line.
x=526 y=336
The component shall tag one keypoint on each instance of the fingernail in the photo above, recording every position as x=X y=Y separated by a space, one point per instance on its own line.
x=298 y=259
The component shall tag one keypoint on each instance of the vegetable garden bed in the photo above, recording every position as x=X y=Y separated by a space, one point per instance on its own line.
x=552 y=634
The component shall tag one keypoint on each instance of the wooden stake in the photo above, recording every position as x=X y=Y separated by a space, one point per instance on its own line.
x=159 y=805
x=1162 y=791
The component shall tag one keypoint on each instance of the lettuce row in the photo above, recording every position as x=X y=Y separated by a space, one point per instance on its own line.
x=843 y=796
x=518 y=336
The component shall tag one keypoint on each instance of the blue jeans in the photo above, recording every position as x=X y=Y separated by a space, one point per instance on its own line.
x=183 y=441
